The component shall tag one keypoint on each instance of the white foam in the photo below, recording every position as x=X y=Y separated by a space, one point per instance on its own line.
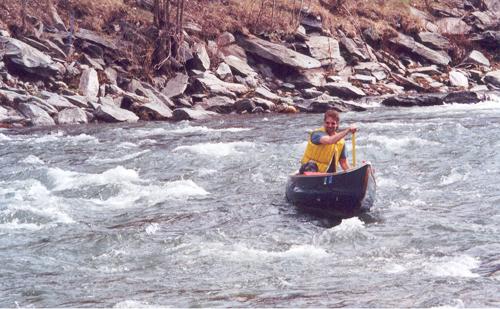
x=83 y=138
x=203 y=129
x=119 y=159
x=130 y=193
x=458 y=304
x=216 y=149
x=31 y=196
x=133 y=304
x=127 y=145
x=349 y=229
x=454 y=176
x=152 y=228
x=398 y=145
x=241 y=252
x=33 y=160
x=4 y=137
x=63 y=179
x=206 y=172
x=16 y=225
x=456 y=266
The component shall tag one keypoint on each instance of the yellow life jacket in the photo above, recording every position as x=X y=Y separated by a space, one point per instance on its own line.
x=323 y=154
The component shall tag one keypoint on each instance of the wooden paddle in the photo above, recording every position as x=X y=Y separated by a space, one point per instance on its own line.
x=353 y=139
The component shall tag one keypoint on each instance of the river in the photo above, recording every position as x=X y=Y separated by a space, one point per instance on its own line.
x=193 y=214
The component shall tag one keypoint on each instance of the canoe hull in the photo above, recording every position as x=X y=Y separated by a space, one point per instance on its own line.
x=343 y=194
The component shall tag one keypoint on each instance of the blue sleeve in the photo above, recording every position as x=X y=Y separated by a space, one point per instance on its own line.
x=342 y=153
x=316 y=136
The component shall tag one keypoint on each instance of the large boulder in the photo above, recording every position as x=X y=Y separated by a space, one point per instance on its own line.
x=176 y=86
x=420 y=50
x=89 y=83
x=434 y=40
x=414 y=100
x=493 y=78
x=277 y=53
x=476 y=57
x=93 y=37
x=113 y=113
x=29 y=59
x=192 y=114
x=239 y=66
x=73 y=115
x=212 y=84
x=326 y=50
x=55 y=100
x=36 y=115
x=344 y=90
x=156 y=110
x=200 y=60
x=458 y=79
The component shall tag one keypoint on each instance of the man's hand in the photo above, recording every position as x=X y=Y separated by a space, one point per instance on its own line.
x=353 y=128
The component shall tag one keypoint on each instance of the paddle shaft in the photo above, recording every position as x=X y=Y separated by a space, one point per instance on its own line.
x=353 y=139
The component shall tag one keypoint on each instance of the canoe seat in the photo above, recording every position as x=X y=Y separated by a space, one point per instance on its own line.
x=314 y=174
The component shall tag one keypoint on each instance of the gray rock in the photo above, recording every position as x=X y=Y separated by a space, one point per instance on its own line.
x=462 y=97
x=36 y=115
x=311 y=22
x=29 y=59
x=365 y=79
x=93 y=37
x=192 y=114
x=493 y=78
x=239 y=66
x=77 y=100
x=225 y=39
x=353 y=50
x=344 y=90
x=224 y=72
x=89 y=83
x=265 y=104
x=113 y=113
x=244 y=105
x=327 y=51
x=212 y=84
x=73 y=115
x=476 y=57
x=266 y=94
x=218 y=104
x=434 y=40
x=200 y=60
x=176 y=86
x=111 y=75
x=414 y=100
x=55 y=100
x=372 y=68
x=458 y=79
x=420 y=50
x=310 y=93
x=277 y=53
x=452 y=25
x=58 y=23
x=429 y=70
x=308 y=78
x=154 y=111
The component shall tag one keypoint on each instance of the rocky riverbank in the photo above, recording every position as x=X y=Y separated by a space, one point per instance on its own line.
x=61 y=74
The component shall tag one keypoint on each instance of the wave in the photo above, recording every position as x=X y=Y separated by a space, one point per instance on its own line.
x=455 y=266
x=216 y=149
x=4 y=137
x=398 y=145
x=186 y=130
x=32 y=160
x=119 y=159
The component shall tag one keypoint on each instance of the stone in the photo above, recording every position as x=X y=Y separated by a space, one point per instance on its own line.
x=55 y=100
x=176 y=86
x=218 y=104
x=462 y=97
x=212 y=84
x=344 y=90
x=29 y=59
x=421 y=50
x=493 y=78
x=36 y=115
x=89 y=83
x=266 y=94
x=192 y=114
x=414 y=100
x=225 y=39
x=476 y=57
x=94 y=37
x=113 y=113
x=224 y=72
x=327 y=51
x=244 y=105
x=154 y=111
x=352 y=49
x=365 y=79
x=434 y=40
x=452 y=25
x=200 y=60
x=239 y=66
x=77 y=100
x=277 y=53
x=372 y=68
x=73 y=115
x=458 y=79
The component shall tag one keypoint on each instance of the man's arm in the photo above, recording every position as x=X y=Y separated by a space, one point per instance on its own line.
x=327 y=139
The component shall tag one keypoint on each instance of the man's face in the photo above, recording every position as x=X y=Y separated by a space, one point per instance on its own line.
x=331 y=125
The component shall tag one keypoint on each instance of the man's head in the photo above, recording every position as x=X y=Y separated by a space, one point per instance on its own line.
x=331 y=121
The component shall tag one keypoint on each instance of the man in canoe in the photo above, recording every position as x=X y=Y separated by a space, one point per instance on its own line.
x=325 y=148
